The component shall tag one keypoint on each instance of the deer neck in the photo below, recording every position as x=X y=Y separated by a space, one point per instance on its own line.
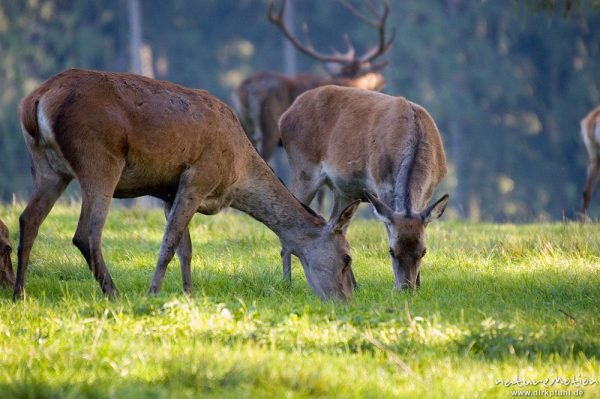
x=368 y=81
x=264 y=197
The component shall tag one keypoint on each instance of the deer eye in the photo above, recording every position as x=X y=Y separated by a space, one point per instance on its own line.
x=423 y=253
x=347 y=260
x=391 y=251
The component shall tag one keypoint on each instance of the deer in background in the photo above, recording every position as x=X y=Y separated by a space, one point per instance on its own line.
x=590 y=133
x=6 y=271
x=262 y=98
x=122 y=135
x=372 y=147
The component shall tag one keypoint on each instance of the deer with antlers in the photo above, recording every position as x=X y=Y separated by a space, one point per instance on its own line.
x=369 y=146
x=590 y=133
x=122 y=135
x=262 y=98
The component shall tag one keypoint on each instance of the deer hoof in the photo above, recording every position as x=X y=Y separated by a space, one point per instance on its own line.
x=110 y=293
x=153 y=290
x=18 y=295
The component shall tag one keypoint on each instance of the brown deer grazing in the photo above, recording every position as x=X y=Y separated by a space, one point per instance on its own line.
x=262 y=98
x=590 y=133
x=369 y=146
x=122 y=135
x=7 y=277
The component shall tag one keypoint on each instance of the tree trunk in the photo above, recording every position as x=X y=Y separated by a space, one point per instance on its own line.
x=135 y=36
x=134 y=15
x=290 y=68
x=290 y=65
x=455 y=128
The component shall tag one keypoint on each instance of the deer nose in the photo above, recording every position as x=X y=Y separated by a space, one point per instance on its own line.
x=407 y=284
x=402 y=286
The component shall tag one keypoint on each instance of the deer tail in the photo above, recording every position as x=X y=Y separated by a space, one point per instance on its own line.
x=28 y=115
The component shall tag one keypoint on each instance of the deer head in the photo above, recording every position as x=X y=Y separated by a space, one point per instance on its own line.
x=406 y=235
x=329 y=247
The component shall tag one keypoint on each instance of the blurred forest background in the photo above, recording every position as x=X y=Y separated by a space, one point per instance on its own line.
x=507 y=82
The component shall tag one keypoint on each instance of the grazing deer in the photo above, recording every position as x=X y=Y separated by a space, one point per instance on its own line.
x=590 y=133
x=122 y=135
x=7 y=277
x=262 y=98
x=371 y=147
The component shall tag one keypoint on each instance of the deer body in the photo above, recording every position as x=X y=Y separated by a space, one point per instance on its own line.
x=590 y=134
x=6 y=270
x=371 y=147
x=123 y=135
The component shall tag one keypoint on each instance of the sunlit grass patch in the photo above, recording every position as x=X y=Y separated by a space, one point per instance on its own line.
x=497 y=302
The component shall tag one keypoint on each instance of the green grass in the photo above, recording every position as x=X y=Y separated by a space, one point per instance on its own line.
x=497 y=302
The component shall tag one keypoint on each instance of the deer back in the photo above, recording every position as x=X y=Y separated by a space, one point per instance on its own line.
x=366 y=140
x=155 y=128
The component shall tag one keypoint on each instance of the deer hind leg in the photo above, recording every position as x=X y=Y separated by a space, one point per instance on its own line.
x=184 y=253
x=593 y=173
x=94 y=210
x=97 y=190
x=305 y=182
x=81 y=237
x=194 y=186
x=47 y=187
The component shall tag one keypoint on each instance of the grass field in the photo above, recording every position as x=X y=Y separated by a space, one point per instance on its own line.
x=500 y=306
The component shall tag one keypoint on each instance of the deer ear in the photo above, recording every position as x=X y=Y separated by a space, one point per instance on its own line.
x=381 y=210
x=337 y=223
x=436 y=210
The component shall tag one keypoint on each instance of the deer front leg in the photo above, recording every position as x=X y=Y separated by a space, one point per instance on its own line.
x=97 y=190
x=184 y=253
x=95 y=203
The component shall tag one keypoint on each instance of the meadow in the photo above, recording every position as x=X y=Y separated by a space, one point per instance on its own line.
x=503 y=310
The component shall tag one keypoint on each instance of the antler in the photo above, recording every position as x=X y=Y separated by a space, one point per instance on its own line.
x=308 y=49
x=378 y=23
x=350 y=56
